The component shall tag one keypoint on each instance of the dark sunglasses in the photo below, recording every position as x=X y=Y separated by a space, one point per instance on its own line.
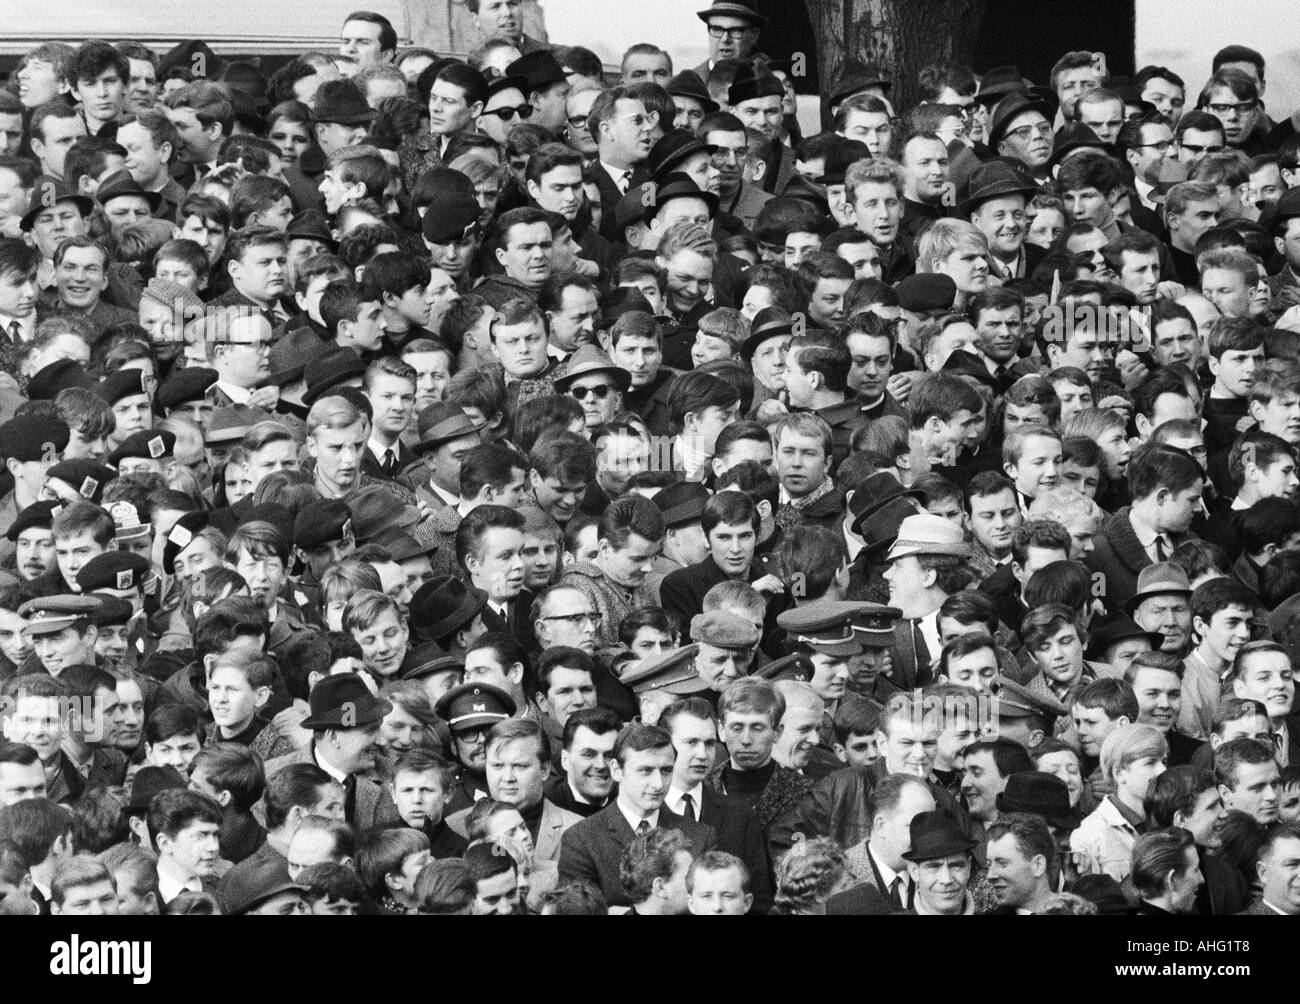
x=506 y=114
x=600 y=392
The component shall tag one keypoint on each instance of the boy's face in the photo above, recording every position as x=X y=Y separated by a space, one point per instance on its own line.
x=174 y=270
x=1267 y=677
x=207 y=234
x=419 y=798
x=17 y=294
x=1039 y=465
x=59 y=650
x=265 y=576
x=36 y=722
x=719 y=893
x=1227 y=632
x=1093 y=726
x=859 y=750
x=232 y=700
x=14 y=645
x=176 y=751
x=194 y=848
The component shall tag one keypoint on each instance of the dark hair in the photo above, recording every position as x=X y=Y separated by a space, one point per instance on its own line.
x=1155 y=855
x=1154 y=466
x=234 y=768
x=171 y=720
x=693 y=392
x=627 y=516
x=1008 y=755
x=1174 y=791
x=298 y=784
x=478 y=522
x=175 y=809
x=601 y=721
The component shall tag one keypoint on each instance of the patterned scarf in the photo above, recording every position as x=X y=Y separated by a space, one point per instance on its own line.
x=790 y=514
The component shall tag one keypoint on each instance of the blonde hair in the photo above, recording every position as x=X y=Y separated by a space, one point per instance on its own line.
x=943 y=237
x=1130 y=743
x=687 y=236
x=806 y=877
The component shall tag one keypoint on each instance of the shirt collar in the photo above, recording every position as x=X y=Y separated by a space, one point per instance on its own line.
x=676 y=794
x=328 y=768
x=239 y=395
x=634 y=821
x=578 y=796
x=693 y=460
x=448 y=497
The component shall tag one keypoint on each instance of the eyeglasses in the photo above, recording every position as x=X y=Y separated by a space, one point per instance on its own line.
x=640 y=121
x=1198 y=150
x=724 y=155
x=506 y=113
x=731 y=34
x=576 y=619
x=1025 y=131
x=582 y=393
x=1240 y=107
x=578 y=122
x=1161 y=147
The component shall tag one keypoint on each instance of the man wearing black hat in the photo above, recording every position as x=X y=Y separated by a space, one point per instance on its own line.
x=344 y=721
x=547 y=88
x=1021 y=130
x=685 y=543
x=470 y=711
x=29 y=446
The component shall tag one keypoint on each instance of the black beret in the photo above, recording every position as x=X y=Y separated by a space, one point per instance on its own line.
x=183 y=386
x=29 y=438
x=112 y=610
x=86 y=477
x=150 y=444
x=321 y=522
x=180 y=536
x=113 y=570
x=40 y=513
x=927 y=291
x=61 y=374
x=127 y=382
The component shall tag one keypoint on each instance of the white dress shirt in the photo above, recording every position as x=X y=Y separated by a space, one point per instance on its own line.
x=676 y=796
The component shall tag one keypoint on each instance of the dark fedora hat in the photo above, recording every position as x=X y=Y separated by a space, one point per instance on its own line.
x=770 y=322
x=1009 y=109
x=1040 y=794
x=329 y=369
x=623 y=300
x=1074 y=136
x=1118 y=627
x=443 y=605
x=936 y=835
x=47 y=192
x=428 y=659
x=963 y=362
x=253 y=885
x=856 y=77
x=292 y=353
x=671 y=150
x=681 y=502
x=591 y=359
x=311 y=224
x=732 y=10
x=998 y=82
x=148 y=781
x=341 y=101
x=688 y=84
x=875 y=493
x=443 y=421
x=539 y=69
x=676 y=186
x=121 y=183
x=343 y=701
x=993 y=180
x=881 y=530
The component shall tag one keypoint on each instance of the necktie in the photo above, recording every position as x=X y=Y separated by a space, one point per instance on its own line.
x=688 y=806
x=643 y=827
x=624 y=182
x=922 y=652
x=14 y=329
x=390 y=463
x=896 y=891
x=1161 y=553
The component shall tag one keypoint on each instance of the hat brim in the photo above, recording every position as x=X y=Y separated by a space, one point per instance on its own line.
x=472 y=429
x=941 y=851
x=951 y=550
x=366 y=711
x=621 y=377
x=1099 y=645
x=84 y=203
x=879 y=504
x=1066 y=822
x=973 y=202
x=470 y=607
x=733 y=10
x=750 y=345
x=314 y=394
x=1131 y=604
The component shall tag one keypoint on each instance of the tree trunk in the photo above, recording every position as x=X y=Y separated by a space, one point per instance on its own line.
x=900 y=36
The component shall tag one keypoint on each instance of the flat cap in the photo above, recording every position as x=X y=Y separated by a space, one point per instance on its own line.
x=681 y=503
x=52 y=614
x=724 y=629
x=672 y=672
x=229 y=425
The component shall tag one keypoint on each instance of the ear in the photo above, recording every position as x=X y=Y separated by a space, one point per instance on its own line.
x=603 y=338
x=764 y=509
x=1010 y=469
x=500 y=256
x=223 y=798
x=261 y=696
x=757 y=171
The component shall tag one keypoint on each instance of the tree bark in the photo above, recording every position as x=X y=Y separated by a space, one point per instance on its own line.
x=900 y=36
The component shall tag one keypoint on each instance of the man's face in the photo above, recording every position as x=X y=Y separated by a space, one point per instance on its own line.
x=1013 y=877
x=1093 y=726
x=1167 y=96
x=1228 y=290
x=527 y=254
x=232 y=700
x=719 y=892
x=38 y=82
x=501 y=19
x=383 y=643
x=262 y=273
x=1279 y=875
x=393 y=399
x=586 y=763
x=146 y=162
x=974 y=671
x=1205 y=821
x=644 y=777
x=1002 y=222
x=208 y=235
x=34 y=553
x=690 y=276
x=730 y=153
x=1039 y=466
x=195 y=849
x=799 y=728
x=1280 y=416
x=1028 y=139
x=568 y=618
x=497 y=567
x=419 y=797
x=338 y=454
x=801 y=461
x=142 y=88
x=1265 y=677
x=102 y=97
x=696 y=741
x=1072 y=83
x=763 y=114
x=96 y=899
x=994 y=519
x=941 y=882
x=1236 y=114
x=1176 y=341
x=128 y=716
x=557 y=498
x=278 y=455
x=19 y=782
x=81 y=277
x=1157 y=144
x=359 y=44
x=1234 y=371
x=449 y=109
x=878 y=209
x=925 y=162
x=732 y=547
x=871 y=363
x=60 y=134
x=910 y=746
x=981 y=783
x=749 y=739
x=497 y=895
x=1193 y=221
x=1140 y=275
x=1105 y=118
x=998 y=333
x=1257 y=791
x=1170 y=615
x=73 y=552
x=1160 y=696
x=515 y=773
x=640 y=356
x=827 y=303
x=730 y=37
x=653 y=67
x=432 y=371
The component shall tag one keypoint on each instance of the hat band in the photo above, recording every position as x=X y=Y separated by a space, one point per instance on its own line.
x=477 y=714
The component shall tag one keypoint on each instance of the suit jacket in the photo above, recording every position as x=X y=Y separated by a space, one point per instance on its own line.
x=370 y=463
x=1258 y=909
x=372 y=807
x=1224 y=891
x=610 y=196
x=1004 y=590
x=739 y=833
x=1119 y=556
x=592 y=850
x=681 y=592
x=555 y=821
x=516 y=620
x=910 y=668
x=861 y=901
